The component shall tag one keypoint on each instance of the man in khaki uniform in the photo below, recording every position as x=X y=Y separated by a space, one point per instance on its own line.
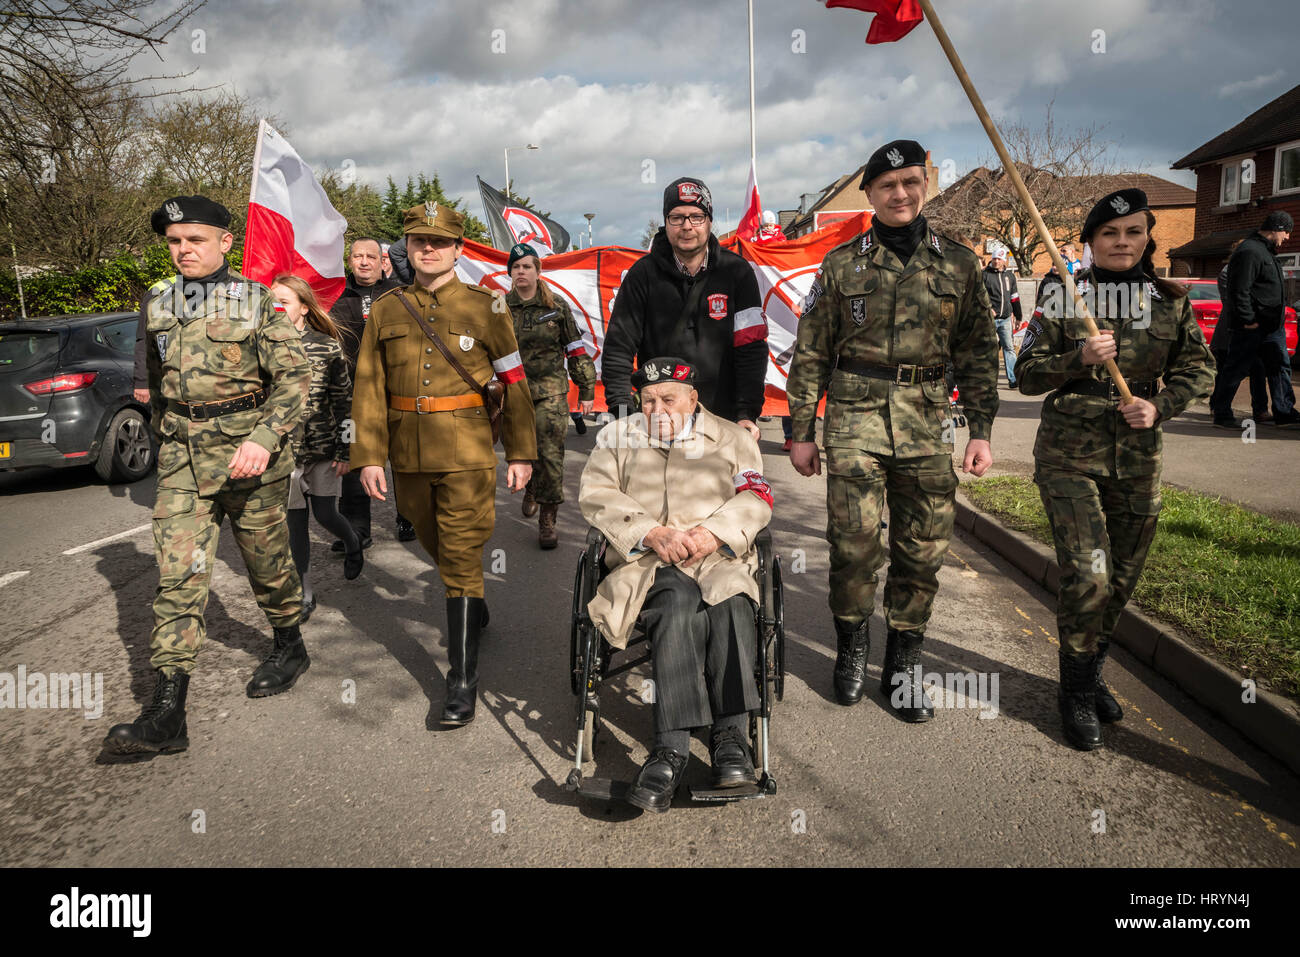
x=412 y=406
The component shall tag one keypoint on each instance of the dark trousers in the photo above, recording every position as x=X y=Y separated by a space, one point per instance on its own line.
x=703 y=655
x=354 y=503
x=1245 y=347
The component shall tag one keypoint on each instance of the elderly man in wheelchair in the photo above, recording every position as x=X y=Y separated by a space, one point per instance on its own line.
x=679 y=495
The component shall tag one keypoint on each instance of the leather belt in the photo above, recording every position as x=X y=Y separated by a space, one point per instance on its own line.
x=202 y=411
x=424 y=404
x=899 y=375
x=1106 y=388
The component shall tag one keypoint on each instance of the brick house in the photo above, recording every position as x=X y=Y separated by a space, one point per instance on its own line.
x=1241 y=175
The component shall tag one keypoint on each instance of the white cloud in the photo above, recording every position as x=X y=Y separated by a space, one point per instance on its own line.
x=1245 y=86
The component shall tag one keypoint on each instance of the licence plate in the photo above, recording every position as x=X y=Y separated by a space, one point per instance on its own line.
x=4 y=450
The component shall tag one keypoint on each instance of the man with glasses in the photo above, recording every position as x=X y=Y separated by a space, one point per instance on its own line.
x=691 y=298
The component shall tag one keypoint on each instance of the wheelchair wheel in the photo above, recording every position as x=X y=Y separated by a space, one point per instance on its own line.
x=576 y=642
x=778 y=643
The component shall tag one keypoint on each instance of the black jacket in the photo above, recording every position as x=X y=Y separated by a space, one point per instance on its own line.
x=400 y=263
x=1253 y=287
x=1004 y=293
x=724 y=336
x=352 y=309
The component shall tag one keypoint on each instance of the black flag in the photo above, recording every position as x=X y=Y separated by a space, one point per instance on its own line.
x=511 y=222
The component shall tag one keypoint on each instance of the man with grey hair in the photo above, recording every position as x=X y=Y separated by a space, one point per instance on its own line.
x=679 y=495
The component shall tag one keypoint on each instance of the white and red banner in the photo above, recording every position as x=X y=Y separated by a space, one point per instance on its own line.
x=589 y=279
x=292 y=227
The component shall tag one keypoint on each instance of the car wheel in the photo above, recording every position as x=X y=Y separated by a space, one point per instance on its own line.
x=126 y=452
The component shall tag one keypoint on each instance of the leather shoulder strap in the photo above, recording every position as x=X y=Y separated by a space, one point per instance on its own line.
x=437 y=341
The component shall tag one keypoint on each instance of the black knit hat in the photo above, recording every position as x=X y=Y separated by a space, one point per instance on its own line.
x=1278 y=221
x=189 y=209
x=892 y=156
x=688 y=191
x=1123 y=202
x=664 y=369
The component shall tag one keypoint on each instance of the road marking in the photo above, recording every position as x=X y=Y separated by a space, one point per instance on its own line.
x=11 y=577
x=104 y=541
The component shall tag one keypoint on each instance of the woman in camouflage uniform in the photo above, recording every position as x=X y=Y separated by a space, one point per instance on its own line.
x=320 y=449
x=547 y=335
x=1098 y=462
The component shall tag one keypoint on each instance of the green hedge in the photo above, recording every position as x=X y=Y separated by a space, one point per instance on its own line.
x=114 y=285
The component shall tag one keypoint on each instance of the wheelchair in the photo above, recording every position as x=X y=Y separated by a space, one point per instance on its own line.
x=590 y=664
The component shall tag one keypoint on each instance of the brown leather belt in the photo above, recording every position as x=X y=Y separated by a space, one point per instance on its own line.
x=900 y=375
x=202 y=411
x=433 y=403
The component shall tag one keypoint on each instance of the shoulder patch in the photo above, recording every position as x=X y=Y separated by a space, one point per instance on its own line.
x=162 y=285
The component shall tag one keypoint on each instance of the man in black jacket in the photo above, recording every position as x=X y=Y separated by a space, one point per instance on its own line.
x=691 y=298
x=351 y=311
x=1255 y=309
x=1004 y=297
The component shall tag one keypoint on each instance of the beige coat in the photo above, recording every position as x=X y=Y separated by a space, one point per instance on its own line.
x=631 y=485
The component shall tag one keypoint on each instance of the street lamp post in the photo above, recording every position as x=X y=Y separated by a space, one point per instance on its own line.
x=506 y=153
x=589 y=217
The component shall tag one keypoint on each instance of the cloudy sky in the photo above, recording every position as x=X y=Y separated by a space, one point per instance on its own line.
x=623 y=96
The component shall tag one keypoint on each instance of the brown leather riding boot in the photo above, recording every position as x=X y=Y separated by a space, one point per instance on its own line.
x=546 y=536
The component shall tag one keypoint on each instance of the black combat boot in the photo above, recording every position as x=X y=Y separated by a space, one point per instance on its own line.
x=161 y=725
x=1078 y=701
x=464 y=620
x=853 y=645
x=282 y=667
x=546 y=535
x=899 y=681
x=1108 y=709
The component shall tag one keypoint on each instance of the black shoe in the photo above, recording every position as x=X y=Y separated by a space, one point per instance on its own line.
x=282 y=667
x=729 y=754
x=853 y=645
x=341 y=548
x=1228 y=423
x=353 y=562
x=579 y=423
x=405 y=530
x=464 y=621
x=1108 y=709
x=307 y=608
x=900 y=681
x=658 y=781
x=161 y=726
x=1077 y=700
x=1290 y=421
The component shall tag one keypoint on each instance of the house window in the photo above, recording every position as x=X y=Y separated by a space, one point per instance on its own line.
x=1235 y=186
x=1286 y=167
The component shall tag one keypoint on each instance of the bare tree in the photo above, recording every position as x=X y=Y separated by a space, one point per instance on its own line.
x=1065 y=171
x=648 y=236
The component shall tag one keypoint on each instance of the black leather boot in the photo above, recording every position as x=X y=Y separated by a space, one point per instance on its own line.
x=853 y=645
x=1108 y=709
x=282 y=667
x=657 y=781
x=899 y=681
x=464 y=620
x=161 y=725
x=1077 y=700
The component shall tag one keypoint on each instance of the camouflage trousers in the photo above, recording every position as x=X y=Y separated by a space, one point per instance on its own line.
x=186 y=527
x=920 y=493
x=552 y=417
x=1102 y=528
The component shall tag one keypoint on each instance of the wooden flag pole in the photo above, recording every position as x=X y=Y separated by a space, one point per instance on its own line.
x=1081 y=307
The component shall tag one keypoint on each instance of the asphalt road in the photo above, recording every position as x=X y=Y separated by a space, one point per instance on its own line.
x=312 y=778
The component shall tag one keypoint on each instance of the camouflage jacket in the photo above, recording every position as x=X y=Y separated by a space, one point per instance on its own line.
x=320 y=436
x=1157 y=337
x=237 y=340
x=546 y=338
x=866 y=306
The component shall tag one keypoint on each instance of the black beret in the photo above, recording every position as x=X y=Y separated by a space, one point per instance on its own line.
x=688 y=191
x=1278 y=221
x=189 y=209
x=1123 y=202
x=517 y=252
x=892 y=156
x=664 y=369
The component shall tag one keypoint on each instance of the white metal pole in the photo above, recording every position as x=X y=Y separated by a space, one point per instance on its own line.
x=506 y=153
x=753 y=140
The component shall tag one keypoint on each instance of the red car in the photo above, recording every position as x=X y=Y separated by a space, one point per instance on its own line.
x=1206 y=306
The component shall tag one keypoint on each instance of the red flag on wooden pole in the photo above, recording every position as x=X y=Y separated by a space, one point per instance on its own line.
x=894 y=18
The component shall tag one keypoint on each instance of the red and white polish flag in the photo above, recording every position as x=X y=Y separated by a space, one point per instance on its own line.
x=292 y=227
x=752 y=219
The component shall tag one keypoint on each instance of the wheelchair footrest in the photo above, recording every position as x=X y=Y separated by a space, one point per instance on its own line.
x=723 y=795
x=602 y=789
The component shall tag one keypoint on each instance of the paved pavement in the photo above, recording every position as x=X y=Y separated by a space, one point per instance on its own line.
x=310 y=778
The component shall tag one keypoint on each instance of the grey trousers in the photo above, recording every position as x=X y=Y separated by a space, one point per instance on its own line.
x=703 y=655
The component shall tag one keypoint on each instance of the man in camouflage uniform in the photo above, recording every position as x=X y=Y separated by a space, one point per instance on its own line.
x=547 y=336
x=227 y=380
x=1097 y=462
x=886 y=311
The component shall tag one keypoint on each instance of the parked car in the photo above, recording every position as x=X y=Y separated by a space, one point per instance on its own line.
x=66 y=396
x=1206 y=306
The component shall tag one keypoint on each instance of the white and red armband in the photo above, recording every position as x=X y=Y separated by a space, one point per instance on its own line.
x=752 y=481
x=509 y=368
x=750 y=326
x=575 y=349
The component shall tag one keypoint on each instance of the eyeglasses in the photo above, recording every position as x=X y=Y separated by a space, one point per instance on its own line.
x=679 y=219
